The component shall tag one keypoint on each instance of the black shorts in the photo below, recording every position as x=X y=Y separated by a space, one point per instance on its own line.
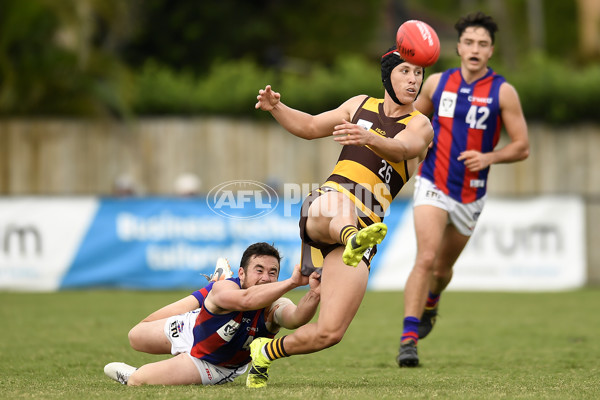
x=313 y=253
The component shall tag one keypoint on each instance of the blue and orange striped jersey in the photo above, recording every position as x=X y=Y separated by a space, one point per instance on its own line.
x=466 y=117
x=224 y=339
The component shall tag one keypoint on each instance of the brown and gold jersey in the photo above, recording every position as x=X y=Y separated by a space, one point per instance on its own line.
x=371 y=181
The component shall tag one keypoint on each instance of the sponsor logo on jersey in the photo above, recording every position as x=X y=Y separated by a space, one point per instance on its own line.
x=365 y=124
x=447 y=104
x=477 y=183
x=482 y=100
x=227 y=331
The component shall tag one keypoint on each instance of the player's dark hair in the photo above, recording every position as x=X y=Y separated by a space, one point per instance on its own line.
x=476 y=19
x=259 y=249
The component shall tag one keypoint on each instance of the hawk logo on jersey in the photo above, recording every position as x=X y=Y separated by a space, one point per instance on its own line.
x=227 y=331
x=447 y=104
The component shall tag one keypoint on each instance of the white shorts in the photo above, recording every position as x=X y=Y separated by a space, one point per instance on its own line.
x=462 y=216
x=179 y=331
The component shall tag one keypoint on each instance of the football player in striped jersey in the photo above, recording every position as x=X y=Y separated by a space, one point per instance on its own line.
x=383 y=140
x=209 y=332
x=469 y=104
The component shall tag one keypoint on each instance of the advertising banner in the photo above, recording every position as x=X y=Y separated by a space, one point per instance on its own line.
x=39 y=238
x=518 y=244
x=172 y=243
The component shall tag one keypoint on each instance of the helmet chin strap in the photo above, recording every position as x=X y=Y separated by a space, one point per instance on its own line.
x=390 y=60
x=388 y=88
x=387 y=84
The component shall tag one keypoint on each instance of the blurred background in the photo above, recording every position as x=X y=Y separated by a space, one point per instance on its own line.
x=119 y=117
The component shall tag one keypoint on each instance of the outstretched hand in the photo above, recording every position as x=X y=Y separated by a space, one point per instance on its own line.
x=267 y=99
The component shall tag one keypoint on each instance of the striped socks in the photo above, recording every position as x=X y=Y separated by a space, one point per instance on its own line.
x=274 y=349
x=411 y=330
x=347 y=232
x=432 y=301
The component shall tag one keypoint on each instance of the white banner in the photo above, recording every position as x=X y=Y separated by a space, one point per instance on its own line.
x=518 y=245
x=39 y=238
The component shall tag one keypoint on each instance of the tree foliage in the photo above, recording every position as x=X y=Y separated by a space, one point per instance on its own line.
x=195 y=34
x=54 y=61
x=121 y=57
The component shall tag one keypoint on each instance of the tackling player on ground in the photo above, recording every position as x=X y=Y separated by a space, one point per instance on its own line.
x=209 y=331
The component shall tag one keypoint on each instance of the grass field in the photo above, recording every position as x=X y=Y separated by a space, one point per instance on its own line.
x=485 y=346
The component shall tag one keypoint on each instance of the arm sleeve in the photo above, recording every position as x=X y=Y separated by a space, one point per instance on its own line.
x=200 y=295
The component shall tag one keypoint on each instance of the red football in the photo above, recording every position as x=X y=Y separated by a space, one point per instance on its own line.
x=418 y=43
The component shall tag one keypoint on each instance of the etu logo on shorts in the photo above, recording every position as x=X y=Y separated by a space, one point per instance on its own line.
x=432 y=194
x=242 y=199
x=176 y=328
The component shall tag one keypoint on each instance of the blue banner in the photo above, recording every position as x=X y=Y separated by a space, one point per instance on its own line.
x=169 y=243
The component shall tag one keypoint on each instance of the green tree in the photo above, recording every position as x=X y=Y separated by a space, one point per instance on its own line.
x=52 y=59
x=525 y=26
x=194 y=35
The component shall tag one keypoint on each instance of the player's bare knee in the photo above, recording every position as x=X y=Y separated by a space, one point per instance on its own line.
x=425 y=260
x=329 y=338
x=441 y=275
x=135 y=338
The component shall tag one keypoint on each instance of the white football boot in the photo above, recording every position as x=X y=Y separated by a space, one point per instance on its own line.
x=222 y=271
x=119 y=371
